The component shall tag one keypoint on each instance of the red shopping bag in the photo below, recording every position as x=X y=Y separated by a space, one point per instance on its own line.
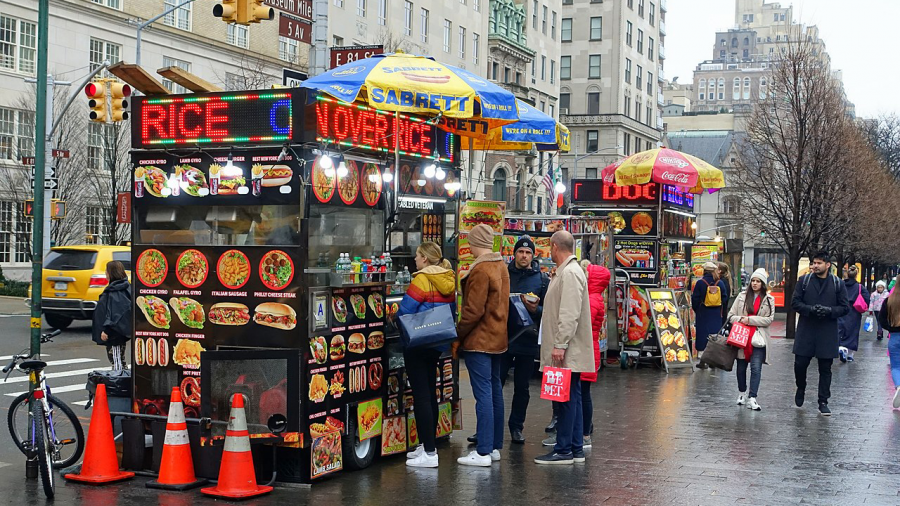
x=740 y=335
x=556 y=383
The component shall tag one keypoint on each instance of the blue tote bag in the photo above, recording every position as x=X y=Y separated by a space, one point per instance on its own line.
x=428 y=329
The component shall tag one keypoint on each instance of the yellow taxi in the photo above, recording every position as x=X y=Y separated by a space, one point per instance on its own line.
x=74 y=277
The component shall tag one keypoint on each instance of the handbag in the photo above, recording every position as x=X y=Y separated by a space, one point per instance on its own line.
x=428 y=329
x=740 y=335
x=718 y=354
x=520 y=321
x=556 y=384
x=860 y=304
x=869 y=325
x=713 y=295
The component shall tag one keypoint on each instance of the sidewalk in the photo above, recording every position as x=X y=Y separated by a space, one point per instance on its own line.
x=13 y=306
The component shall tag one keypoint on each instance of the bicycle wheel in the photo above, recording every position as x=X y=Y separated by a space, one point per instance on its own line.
x=42 y=446
x=66 y=432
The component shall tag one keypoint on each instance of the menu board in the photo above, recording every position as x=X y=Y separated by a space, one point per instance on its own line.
x=631 y=222
x=477 y=212
x=640 y=257
x=326 y=454
x=673 y=342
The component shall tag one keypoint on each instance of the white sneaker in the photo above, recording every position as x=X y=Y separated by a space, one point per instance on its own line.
x=474 y=459
x=740 y=401
x=752 y=404
x=423 y=460
x=418 y=452
x=897 y=399
x=495 y=456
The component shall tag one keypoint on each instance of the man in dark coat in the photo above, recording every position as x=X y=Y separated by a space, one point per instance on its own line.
x=849 y=324
x=819 y=299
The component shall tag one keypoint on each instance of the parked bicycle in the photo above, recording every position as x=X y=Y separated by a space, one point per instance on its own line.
x=48 y=430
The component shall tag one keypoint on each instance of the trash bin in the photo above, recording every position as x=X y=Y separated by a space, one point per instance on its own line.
x=118 y=392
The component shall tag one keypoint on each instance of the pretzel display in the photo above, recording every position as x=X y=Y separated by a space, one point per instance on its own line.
x=376 y=371
x=190 y=391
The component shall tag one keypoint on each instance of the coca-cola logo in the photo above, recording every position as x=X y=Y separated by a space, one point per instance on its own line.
x=674 y=177
x=676 y=162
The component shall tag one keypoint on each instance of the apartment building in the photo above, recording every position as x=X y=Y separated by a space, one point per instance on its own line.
x=611 y=72
x=82 y=34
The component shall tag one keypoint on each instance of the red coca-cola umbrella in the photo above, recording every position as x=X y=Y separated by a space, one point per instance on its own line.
x=665 y=166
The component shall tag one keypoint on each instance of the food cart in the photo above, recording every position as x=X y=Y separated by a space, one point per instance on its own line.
x=259 y=224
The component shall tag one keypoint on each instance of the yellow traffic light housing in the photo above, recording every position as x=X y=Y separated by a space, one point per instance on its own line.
x=118 y=99
x=96 y=92
x=227 y=10
x=257 y=12
x=57 y=209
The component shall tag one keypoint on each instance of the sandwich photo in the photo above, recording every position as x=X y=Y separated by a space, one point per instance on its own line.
x=155 y=310
x=189 y=311
x=358 y=303
x=230 y=180
x=356 y=343
x=273 y=314
x=376 y=340
x=275 y=175
x=229 y=313
x=473 y=216
x=337 y=347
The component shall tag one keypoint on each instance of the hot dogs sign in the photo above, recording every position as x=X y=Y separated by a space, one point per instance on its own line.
x=640 y=257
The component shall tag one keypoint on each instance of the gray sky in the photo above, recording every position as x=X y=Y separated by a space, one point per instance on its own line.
x=858 y=35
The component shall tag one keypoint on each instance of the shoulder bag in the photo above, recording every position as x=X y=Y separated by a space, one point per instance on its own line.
x=860 y=304
x=428 y=329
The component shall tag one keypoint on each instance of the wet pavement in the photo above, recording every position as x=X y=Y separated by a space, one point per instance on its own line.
x=660 y=439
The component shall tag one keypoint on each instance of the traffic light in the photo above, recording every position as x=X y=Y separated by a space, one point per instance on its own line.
x=96 y=92
x=118 y=94
x=28 y=209
x=227 y=10
x=57 y=209
x=256 y=12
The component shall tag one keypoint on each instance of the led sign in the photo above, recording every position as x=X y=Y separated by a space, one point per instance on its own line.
x=215 y=118
x=596 y=191
x=677 y=197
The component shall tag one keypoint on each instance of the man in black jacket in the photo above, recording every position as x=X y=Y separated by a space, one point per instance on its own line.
x=820 y=299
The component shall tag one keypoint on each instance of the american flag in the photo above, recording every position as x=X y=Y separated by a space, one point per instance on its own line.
x=548 y=183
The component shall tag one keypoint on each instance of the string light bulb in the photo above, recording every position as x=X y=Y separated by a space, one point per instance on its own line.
x=342 y=170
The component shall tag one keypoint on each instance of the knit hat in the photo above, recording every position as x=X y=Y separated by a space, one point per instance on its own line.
x=710 y=266
x=761 y=275
x=880 y=283
x=482 y=236
x=524 y=242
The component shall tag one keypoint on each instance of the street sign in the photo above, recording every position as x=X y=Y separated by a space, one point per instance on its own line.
x=292 y=78
x=301 y=8
x=295 y=28
x=60 y=153
x=50 y=173
x=347 y=54
x=51 y=184
x=27 y=160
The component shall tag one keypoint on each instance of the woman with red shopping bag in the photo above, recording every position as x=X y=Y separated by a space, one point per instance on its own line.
x=755 y=310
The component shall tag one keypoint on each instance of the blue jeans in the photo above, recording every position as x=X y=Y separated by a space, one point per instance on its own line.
x=484 y=372
x=570 y=426
x=756 y=363
x=894 y=352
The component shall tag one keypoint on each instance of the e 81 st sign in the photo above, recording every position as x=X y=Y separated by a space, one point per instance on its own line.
x=349 y=54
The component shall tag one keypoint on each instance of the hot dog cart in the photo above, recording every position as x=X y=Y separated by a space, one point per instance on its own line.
x=259 y=223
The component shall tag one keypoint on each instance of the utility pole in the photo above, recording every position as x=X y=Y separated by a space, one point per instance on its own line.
x=145 y=24
x=320 y=50
x=41 y=156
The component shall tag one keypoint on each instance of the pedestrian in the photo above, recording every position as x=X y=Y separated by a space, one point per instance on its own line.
x=434 y=285
x=483 y=339
x=710 y=295
x=889 y=318
x=849 y=324
x=820 y=299
x=755 y=308
x=112 y=325
x=597 y=281
x=566 y=342
x=525 y=278
x=878 y=298
x=723 y=272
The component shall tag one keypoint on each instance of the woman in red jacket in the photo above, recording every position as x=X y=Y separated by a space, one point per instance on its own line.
x=597 y=280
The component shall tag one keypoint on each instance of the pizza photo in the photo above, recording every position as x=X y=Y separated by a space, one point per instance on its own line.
x=348 y=186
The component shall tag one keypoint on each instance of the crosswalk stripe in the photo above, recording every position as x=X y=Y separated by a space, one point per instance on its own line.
x=9 y=357
x=54 y=390
x=80 y=403
x=70 y=361
x=62 y=374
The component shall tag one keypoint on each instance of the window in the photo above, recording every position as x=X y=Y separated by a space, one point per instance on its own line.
x=639 y=77
x=533 y=72
x=637 y=110
x=339 y=3
x=543 y=106
x=627 y=70
x=629 y=28
x=116 y=4
x=746 y=54
x=337 y=41
x=652 y=14
x=361 y=8
x=552 y=71
x=593 y=141
x=650 y=48
x=564 y=100
x=762 y=88
x=408 y=18
x=102 y=50
x=565 y=31
x=499 y=188
x=462 y=43
x=534 y=9
x=382 y=12
x=518 y=78
x=476 y=5
x=552 y=111
x=475 y=40
x=594 y=66
x=647 y=119
x=734 y=42
x=23 y=235
x=543 y=68
x=746 y=88
x=183 y=65
x=736 y=89
x=596 y=28
x=18 y=45
x=179 y=18
x=540 y=204
x=424 y=23
x=731 y=206
x=776 y=17
x=447 y=35
x=95 y=219
x=593 y=102
x=627 y=106
x=495 y=71
x=6 y=229
x=544 y=20
x=16 y=134
x=553 y=26
x=721 y=88
x=238 y=35
x=506 y=74
x=641 y=41
x=631 y=4
x=288 y=49
x=529 y=203
x=590 y=173
x=565 y=67
x=650 y=83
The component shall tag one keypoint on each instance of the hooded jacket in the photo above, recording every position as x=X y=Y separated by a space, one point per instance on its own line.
x=483 y=317
x=878 y=298
x=597 y=281
x=529 y=280
x=433 y=286
x=113 y=314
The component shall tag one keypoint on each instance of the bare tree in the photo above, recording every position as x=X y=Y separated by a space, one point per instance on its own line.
x=254 y=73
x=883 y=135
x=393 y=42
x=109 y=179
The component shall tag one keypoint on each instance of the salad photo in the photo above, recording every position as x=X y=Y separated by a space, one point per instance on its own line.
x=152 y=267
x=155 y=310
x=189 y=311
x=276 y=270
x=192 y=268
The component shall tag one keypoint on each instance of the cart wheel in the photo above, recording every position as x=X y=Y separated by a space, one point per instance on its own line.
x=358 y=454
x=623 y=360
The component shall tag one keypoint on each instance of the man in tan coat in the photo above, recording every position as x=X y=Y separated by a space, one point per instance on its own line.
x=566 y=341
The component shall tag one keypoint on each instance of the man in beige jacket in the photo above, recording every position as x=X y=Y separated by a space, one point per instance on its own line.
x=566 y=342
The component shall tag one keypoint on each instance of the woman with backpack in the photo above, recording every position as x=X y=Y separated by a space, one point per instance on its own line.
x=112 y=317
x=754 y=308
x=849 y=324
x=889 y=318
x=707 y=300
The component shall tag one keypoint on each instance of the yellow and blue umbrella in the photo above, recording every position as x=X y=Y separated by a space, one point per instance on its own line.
x=534 y=129
x=419 y=84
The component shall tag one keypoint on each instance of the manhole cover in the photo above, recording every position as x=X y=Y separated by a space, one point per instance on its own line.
x=869 y=467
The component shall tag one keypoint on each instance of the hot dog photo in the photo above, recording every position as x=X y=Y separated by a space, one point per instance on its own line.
x=636 y=254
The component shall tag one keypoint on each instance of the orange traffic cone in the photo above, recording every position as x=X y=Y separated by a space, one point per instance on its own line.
x=100 y=465
x=237 y=478
x=176 y=470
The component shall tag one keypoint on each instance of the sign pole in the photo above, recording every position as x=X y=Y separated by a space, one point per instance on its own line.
x=48 y=157
x=41 y=155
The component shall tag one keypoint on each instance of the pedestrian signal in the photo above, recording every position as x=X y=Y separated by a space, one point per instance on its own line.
x=57 y=209
x=28 y=208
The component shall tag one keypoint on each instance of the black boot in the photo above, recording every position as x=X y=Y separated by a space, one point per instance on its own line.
x=552 y=426
x=516 y=436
